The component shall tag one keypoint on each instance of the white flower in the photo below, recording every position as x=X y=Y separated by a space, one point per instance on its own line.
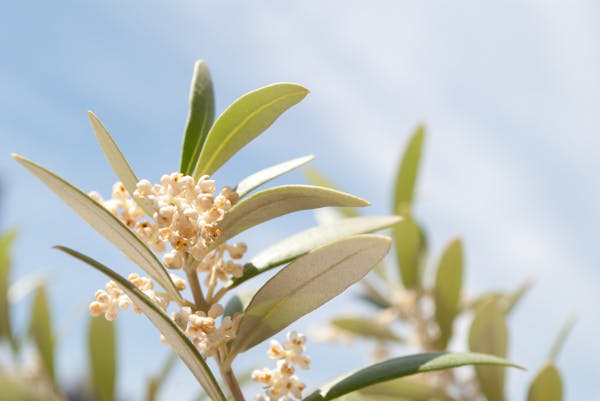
x=281 y=384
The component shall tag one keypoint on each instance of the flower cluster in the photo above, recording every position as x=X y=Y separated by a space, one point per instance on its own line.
x=202 y=330
x=186 y=216
x=281 y=384
x=109 y=301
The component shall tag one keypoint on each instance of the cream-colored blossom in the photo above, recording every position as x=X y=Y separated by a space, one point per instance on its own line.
x=110 y=300
x=281 y=384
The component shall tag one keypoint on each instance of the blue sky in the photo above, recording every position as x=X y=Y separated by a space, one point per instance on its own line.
x=509 y=92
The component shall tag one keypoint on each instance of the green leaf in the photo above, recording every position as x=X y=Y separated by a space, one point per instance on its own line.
x=405 y=389
x=257 y=179
x=448 y=283
x=406 y=176
x=103 y=365
x=512 y=299
x=106 y=224
x=306 y=284
x=366 y=327
x=116 y=160
x=547 y=385
x=400 y=367
x=246 y=118
x=409 y=245
x=316 y=177
x=6 y=241
x=298 y=244
x=274 y=202
x=200 y=117
x=40 y=329
x=166 y=326
x=562 y=336
x=489 y=334
x=21 y=389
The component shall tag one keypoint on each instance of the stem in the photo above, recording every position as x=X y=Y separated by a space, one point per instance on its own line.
x=192 y=278
x=213 y=276
x=231 y=381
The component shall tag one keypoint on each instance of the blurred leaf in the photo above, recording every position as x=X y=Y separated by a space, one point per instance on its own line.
x=6 y=242
x=274 y=202
x=366 y=327
x=116 y=160
x=400 y=367
x=316 y=177
x=238 y=302
x=547 y=385
x=407 y=173
x=405 y=389
x=298 y=244
x=25 y=285
x=257 y=179
x=448 y=283
x=512 y=299
x=200 y=118
x=562 y=336
x=305 y=284
x=156 y=382
x=489 y=334
x=246 y=118
x=103 y=365
x=409 y=245
x=508 y=300
x=40 y=329
x=13 y=389
x=166 y=326
x=106 y=224
x=373 y=294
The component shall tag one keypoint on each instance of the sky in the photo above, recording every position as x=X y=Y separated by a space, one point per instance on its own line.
x=509 y=92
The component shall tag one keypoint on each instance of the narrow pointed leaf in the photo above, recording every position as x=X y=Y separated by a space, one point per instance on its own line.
x=200 y=117
x=316 y=177
x=40 y=329
x=448 y=283
x=106 y=224
x=562 y=336
x=103 y=364
x=405 y=389
x=257 y=179
x=166 y=326
x=489 y=334
x=298 y=244
x=400 y=367
x=407 y=173
x=366 y=327
x=246 y=118
x=306 y=284
x=408 y=243
x=547 y=385
x=274 y=202
x=513 y=298
x=6 y=241
x=116 y=159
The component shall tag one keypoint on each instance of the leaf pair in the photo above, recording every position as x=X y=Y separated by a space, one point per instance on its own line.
x=207 y=146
